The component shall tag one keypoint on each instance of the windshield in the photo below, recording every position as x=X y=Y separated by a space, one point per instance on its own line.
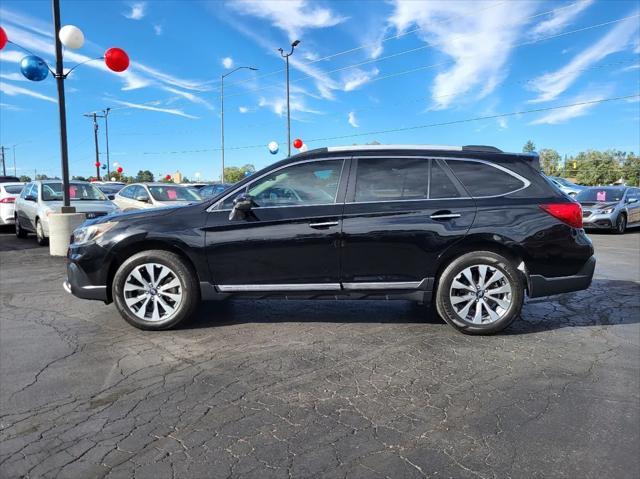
x=173 y=193
x=110 y=189
x=77 y=192
x=600 y=195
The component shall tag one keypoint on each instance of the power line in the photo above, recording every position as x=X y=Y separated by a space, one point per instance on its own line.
x=415 y=127
x=434 y=65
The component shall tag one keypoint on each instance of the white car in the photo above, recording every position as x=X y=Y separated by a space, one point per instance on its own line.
x=154 y=195
x=8 y=194
x=41 y=198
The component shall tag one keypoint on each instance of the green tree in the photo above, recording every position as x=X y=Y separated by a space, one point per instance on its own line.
x=631 y=170
x=598 y=167
x=144 y=176
x=25 y=179
x=529 y=147
x=79 y=178
x=41 y=177
x=550 y=161
x=233 y=174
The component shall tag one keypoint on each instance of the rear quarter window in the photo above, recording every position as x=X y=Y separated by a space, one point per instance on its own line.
x=482 y=179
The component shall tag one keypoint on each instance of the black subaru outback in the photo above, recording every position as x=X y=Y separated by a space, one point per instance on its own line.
x=471 y=227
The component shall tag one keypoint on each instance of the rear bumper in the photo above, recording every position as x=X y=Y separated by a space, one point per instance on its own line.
x=544 y=286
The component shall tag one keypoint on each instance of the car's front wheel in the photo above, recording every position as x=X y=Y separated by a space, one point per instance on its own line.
x=480 y=293
x=20 y=232
x=621 y=224
x=40 y=237
x=155 y=290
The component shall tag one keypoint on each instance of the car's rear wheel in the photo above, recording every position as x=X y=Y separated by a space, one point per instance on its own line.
x=621 y=224
x=155 y=290
x=40 y=237
x=480 y=293
x=20 y=233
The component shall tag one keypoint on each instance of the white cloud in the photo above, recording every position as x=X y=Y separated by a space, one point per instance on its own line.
x=227 y=62
x=551 y=85
x=11 y=56
x=138 y=11
x=562 y=115
x=243 y=109
x=353 y=121
x=503 y=123
x=479 y=44
x=356 y=78
x=13 y=90
x=149 y=107
x=13 y=77
x=189 y=96
x=279 y=105
x=158 y=29
x=292 y=16
x=8 y=106
x=559 y=19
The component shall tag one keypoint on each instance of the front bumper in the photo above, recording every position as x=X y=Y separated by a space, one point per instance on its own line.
x=545 y=286
x=599 y=221
x=78 y=284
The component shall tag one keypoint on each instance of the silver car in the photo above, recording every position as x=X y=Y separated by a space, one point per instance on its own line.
x=41 y=198
x=566 y=186
x=610 y=207
x=154 y=195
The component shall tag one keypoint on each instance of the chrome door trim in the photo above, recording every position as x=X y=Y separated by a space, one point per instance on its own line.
x=243 y=288
x=382 y=285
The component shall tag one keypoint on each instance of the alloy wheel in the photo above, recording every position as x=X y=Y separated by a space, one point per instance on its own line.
x=152 y=292
x=481 y=294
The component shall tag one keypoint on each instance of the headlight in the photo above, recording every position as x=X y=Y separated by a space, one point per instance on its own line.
x=607 y=211
x=87 y=234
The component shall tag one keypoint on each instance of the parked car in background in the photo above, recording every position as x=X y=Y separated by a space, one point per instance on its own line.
x=210 y=191
x=39 y=199
x=196 y=186
x=566 y=186
x=610 y=207
x=154 y=195
x=471 y=227
x=110 y=189
x=9 y=179
x=8 y=194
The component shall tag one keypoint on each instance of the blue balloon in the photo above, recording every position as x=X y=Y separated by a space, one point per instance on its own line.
x=247 y=173
x=104 y=167
x=34 y=68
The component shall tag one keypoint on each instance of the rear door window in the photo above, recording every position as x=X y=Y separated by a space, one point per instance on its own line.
x=391 y=179
x=441 y=186
x=483 y=179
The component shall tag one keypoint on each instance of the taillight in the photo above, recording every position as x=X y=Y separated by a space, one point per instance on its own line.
x=570 y=213
x=8 y=199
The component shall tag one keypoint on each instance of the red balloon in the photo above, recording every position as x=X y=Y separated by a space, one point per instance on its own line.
x=97 y=164
x=168 y=177
x=297 y=143
x=116 y=59
x=3 y=38
x=119 y=170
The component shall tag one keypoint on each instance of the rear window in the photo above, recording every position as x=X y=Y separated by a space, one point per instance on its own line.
x=482 y=179
x=13 y=189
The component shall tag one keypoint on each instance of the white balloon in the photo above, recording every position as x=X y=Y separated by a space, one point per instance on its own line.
x=303 y=148
x=71 y=37
x=273 y=147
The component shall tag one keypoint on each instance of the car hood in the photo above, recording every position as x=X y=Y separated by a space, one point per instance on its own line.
x=146 y=214
x=592 y=205
x=84 y=206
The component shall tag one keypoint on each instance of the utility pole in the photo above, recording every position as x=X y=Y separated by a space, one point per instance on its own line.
x=222 y=110
x=15 y=170
x=106 y=132
x=4 y=169
x=95 y=139
x=286 y=57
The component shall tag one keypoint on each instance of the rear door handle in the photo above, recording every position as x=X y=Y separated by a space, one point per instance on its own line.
x=326 y=224
x=444 y=215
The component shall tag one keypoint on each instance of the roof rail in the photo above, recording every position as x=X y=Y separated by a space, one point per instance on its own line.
x=393 y=147
x=488 y=149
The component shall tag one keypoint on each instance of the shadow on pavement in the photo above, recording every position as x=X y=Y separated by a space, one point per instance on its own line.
x=606 y=302
x=9 y=242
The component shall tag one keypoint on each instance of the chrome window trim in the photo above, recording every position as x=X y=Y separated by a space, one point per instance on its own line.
x=334 y=149
x=525 y=182
x=246 y=186
x=240 y=288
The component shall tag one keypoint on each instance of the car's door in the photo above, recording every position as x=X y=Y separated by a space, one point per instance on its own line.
x=400 y=214
x=31 y=207
x=23 y=205
x=633 y=207
x=286 y=242
x=124 y=197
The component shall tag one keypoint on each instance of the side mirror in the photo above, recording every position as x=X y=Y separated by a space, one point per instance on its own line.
x=142 y=198
x=111 y=197
x=242 y=205
x=30 y=198
x=632 y=200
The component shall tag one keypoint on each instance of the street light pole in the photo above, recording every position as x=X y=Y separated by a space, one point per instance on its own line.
x=286 y=57
x=4 y=169
x=59 y=76
x=222 y=77
x=95 y=140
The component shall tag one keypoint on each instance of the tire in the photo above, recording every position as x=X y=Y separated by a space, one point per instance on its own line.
x=20 y=233
x=505 y=305
x=40 y=237
x=162 y=310
x=621 y=224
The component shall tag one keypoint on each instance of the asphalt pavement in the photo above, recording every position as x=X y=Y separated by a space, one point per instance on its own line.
x=262 y=389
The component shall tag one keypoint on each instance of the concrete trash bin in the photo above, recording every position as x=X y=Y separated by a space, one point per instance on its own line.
x=61 y=225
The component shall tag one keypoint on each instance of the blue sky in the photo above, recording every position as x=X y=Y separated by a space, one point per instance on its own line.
x=361 y=67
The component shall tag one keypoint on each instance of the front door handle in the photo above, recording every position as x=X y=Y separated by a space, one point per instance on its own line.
x=444 y=215
x=326 y=224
